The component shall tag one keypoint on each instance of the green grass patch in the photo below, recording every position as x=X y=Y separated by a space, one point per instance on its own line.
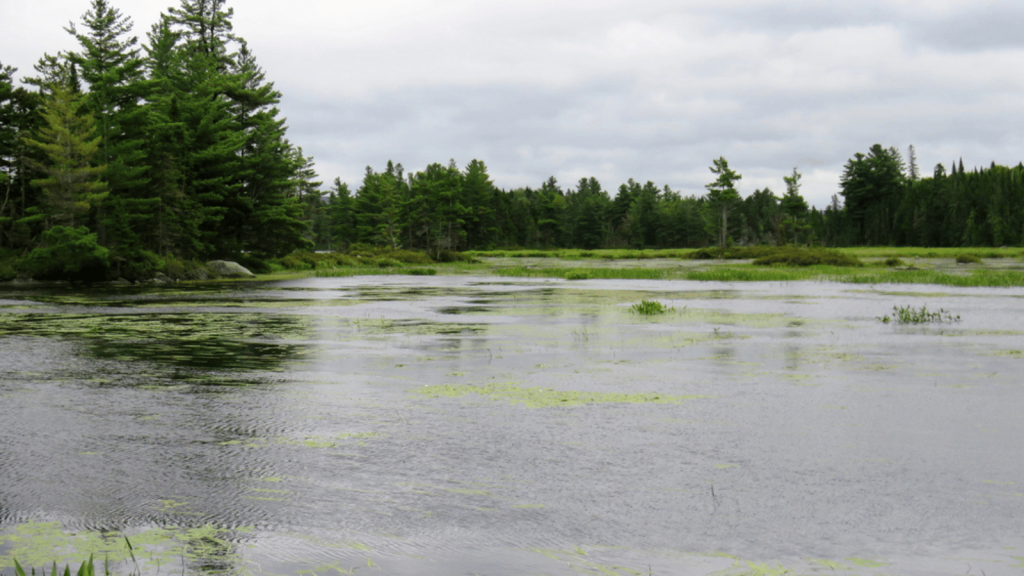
x=648 y=308
x=910 y=315
x=594 y=273
x=578 y=275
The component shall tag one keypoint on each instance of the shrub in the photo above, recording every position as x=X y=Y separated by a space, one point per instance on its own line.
x=893 y=262
x=577 y=275
x=7 y=271
x=422 y=272
x=253 y=264
x=967 y=259
x=786 y=256
x=68 y=254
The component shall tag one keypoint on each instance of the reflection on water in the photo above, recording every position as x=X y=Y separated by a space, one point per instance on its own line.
x=448 y=425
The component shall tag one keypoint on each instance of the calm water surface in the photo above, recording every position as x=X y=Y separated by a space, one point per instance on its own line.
x=451 y=425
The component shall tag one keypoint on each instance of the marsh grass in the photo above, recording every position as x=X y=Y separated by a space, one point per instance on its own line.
x=592 y=273
x=910 y=315
x=88 y=568
x=578 y=275
x=648 y=308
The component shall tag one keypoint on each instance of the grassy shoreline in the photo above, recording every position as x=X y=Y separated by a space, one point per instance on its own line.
x=992 y=267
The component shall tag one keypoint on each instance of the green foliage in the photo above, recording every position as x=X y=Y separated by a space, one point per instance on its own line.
x=7 y=271
x=185 y=269
x=422 y=272
x=910 y=315
x=68 y=254
x=892 y=262
x=578 y=275
x=967 y=259
x=648 y=308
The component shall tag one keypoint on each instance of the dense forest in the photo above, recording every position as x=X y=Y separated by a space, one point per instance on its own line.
x=121 y=156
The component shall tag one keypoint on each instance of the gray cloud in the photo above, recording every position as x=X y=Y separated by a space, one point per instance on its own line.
x=652 y=90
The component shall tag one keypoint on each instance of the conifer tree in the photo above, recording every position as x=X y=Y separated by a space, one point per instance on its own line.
x=722 y=195
x=68 y=140
x=794 y=205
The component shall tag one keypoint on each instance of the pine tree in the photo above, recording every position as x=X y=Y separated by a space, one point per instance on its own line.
x=113 y=69
x=794 y=205
x=68 y=140
x=722 y=195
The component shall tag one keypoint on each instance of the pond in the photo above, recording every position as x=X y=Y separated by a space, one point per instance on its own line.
x=472 y=425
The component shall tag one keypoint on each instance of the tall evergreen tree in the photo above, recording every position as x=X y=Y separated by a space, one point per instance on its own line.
x=72 y=185
x=722 y=196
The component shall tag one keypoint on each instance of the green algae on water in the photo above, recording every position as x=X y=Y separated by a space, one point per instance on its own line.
x=547 y=397
x=39 y=544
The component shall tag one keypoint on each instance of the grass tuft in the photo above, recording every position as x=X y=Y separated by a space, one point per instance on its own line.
x=910 y=315
x=648 y=308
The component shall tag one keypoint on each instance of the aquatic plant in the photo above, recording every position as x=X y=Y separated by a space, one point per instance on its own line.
x=648 y=308
x=893 y=262
x=88 y=568
x=910 y=315
x=422 y=272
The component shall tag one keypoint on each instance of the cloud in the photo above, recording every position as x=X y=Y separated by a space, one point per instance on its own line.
x=651 y=89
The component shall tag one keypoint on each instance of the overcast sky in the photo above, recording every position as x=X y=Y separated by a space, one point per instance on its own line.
x=618 y=89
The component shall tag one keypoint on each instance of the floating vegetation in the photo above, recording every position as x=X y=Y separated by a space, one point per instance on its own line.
x=43 y=544
x=578 y=275
x=910 y=315
x=648 y=308
x=547 y=397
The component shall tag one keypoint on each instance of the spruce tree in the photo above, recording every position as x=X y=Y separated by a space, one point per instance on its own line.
x=68 y=140
x=722 y=196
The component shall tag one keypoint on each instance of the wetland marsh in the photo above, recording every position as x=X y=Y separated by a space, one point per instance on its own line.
x=477 y=424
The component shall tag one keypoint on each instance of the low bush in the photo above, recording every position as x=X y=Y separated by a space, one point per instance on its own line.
x=68 y=254
x=787 y=256
x=967 y=259
x=422 y=272
x=7 y=271
x=577 y=275
x=252 y=263
x=890 y=262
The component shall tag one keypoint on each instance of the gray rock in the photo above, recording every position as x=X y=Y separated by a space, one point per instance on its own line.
x=229 y=269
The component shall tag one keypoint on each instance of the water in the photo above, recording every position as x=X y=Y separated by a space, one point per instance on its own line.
x=332 y=425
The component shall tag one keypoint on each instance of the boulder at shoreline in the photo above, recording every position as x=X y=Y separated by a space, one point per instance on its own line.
x=229 y=269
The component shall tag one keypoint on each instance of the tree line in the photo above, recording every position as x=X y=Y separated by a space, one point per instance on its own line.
x=119 y=154
x=882 y=200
